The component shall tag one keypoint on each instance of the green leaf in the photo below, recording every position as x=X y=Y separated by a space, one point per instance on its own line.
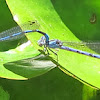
x=10 y=54
x=31 y=67
x=78 y=17
x=82 y=67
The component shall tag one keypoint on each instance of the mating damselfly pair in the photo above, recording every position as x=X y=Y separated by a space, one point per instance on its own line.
x=16 y=33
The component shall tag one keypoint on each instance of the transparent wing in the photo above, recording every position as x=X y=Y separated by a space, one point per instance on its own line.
x=31 y=25
x=95 y=46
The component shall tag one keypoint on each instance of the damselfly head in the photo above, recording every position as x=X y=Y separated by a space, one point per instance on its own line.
x=58 y=42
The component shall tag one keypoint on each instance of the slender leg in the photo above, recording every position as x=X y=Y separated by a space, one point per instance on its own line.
x=54 y=53
x=45 y=49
